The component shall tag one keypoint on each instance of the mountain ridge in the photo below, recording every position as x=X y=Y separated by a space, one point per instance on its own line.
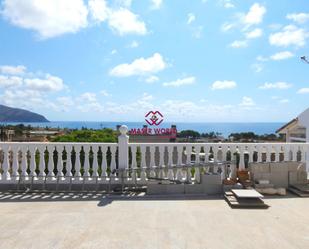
x=11 y=114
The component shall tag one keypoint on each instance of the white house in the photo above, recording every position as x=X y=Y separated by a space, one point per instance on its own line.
x=297 y=130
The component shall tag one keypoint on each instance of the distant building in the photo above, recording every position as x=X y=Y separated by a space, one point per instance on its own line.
x=297 y=130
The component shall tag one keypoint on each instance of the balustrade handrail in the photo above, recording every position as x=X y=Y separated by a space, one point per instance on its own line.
x=96 y=160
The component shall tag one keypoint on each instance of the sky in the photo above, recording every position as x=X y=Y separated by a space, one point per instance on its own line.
x=194 y=61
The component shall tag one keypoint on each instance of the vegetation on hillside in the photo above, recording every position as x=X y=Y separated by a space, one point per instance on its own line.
x=105 y=135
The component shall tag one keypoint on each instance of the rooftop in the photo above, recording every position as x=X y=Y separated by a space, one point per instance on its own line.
x=95 y=221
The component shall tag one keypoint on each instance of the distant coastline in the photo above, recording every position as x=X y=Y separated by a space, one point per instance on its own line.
x=224 y=128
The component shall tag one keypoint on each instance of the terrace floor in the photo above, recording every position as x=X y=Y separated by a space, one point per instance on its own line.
x=93 y=221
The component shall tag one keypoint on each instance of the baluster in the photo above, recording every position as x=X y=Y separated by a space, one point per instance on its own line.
x=152 y=165
x=143 y=164
x=15 y=174
x=206 y=150
x=5 y=164
x=170 y=173
x=251 y=150
x=215 y=158
x=277 y=153
x=42 y=162
x=32 y=150
x=59 y=149
x=24 y=165
x=197 y=162
x=77 y=174
x=134 y=163
x=233 y=168
x=268 y=153
x=113 y=150
x=86 y=162
x=287 y=150
x=188 y=162
x=104 y=163
x=241 y=157
x=179 y=162
x=224 y=150
x=215 y=153
x=95 y=164
x=161 y=161
x=303 y=153
x=68 y=149
x=260 y=153
x=295 y=150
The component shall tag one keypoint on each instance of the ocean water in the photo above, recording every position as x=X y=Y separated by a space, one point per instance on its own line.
x=224 y=128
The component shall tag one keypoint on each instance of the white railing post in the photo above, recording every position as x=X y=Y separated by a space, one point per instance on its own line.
x=307 y=156
x=123 y=148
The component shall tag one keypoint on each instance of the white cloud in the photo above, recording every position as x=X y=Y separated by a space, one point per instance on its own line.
x=255 y=15
x=49 y=18
x=89 y=97
x=304 y=90
x=225 y=84
x=10 y=81
x=239 y=44
x=123 y=21
x=133 y=44
x=261 y=58
x=247 y=102
x=227 y=4
x=50 y=83
x=254 y=33
x=298 y=17
x=105 y=93
x=156 y=4
x=99 y=10
x=191 y=18
x=290 y=35
x=119 y=18
x=152 y=79
x=276 y=85
x=140 y=66
x=282 y=55
x=227 y=26
x=15 y=70
x=244 y=21
x=180 y=82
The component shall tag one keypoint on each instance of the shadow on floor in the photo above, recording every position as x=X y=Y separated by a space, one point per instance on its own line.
x=104 y=198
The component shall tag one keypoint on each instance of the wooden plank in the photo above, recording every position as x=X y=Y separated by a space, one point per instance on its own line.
x=246 y=193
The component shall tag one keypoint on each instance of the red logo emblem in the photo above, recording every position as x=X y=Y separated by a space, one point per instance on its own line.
x=154 y=118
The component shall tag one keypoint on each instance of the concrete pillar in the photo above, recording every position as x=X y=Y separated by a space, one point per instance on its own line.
x=123 y=148
x=307 y=149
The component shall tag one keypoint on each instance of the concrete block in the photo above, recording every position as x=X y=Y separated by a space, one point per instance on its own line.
x=279 y=167
x=262 y=176
x=293 y=177
x=211 y=179
x=165 y=189
x=296 y=166
x=259 y=168
x=280 y=179
x=213 y=189
x=194 y=189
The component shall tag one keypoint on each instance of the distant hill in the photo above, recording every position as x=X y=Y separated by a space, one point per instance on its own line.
x=9 y=114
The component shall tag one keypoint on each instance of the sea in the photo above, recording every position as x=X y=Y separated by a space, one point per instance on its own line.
x=225 y=129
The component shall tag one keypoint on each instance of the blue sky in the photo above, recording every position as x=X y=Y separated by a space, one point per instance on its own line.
x=199 y=61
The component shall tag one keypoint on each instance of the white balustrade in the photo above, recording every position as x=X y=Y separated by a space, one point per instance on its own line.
x=163 y=160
